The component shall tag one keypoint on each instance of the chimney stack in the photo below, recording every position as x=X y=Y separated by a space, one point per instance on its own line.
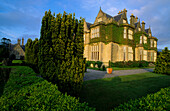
x=22 y=41
x=19 y=41
x=132 y=17
x=124 y=10
x=136 y=19
x=143 y=26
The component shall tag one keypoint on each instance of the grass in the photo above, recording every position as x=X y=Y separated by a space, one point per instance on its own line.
x=118 y=68
x=105 y=94
x=16 y=61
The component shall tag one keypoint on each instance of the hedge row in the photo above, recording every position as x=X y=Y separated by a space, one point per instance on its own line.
x=153 y=102
x=99 y=65
x=130 y=64
x=25 y=91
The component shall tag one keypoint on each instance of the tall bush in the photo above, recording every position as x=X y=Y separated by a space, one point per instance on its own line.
x=61 y=48
x=163 y=62
x=31 y=54
x=99 y=64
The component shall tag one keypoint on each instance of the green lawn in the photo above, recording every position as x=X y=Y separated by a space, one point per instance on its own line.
x=17 y=61
x=105 y=94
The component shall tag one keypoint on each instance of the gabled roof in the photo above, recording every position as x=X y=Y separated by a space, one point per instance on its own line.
x=88 y=24
x=117 y=17
x=136 y=24
x=108 y=16
x=147 y=31
x=13 y=45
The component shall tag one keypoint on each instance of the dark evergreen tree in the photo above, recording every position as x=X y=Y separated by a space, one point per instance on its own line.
x=45 y=45
x=61 y=48
x=28 y=51
x=162 y=64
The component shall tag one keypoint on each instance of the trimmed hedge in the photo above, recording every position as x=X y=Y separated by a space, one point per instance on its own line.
x=123 y=64
x=153 y=102
x=25 y=91
x=99 y=63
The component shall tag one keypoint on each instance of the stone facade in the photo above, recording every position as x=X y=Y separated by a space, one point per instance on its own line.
x=114 y=39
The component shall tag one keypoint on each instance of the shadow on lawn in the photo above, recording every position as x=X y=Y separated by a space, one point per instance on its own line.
x=4 y=76
x=105 y=94
x=149 y=69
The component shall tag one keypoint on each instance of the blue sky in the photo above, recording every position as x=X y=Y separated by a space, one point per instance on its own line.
x=22 y=18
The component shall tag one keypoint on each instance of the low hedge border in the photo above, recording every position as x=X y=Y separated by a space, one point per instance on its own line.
x=152 y=102
x=25 y=91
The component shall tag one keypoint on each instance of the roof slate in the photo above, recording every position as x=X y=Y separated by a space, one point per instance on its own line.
x=117 y=17
x=147 y=30
x=88 y=24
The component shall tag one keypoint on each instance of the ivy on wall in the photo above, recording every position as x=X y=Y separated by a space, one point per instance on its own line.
x=114 y=33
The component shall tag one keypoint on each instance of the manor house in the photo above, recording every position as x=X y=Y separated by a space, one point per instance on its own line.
x=113 y=38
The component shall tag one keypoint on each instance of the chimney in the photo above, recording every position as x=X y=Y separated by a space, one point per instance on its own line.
x=136 y=19
x=143 y=26
x=19 y=41
x=124 y=10
x=132 y=19
x=22 y=41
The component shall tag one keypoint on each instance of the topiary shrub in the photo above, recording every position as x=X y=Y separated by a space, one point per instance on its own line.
x=94 y=63
x=99 y=64
x=143 y=63
x=103 y=68
x=88 y=63
x=152 y=102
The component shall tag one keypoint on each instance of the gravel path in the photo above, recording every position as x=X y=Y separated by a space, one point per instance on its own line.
x=94 y=74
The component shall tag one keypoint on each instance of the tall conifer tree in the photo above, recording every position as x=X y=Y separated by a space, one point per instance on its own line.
x=61 y=51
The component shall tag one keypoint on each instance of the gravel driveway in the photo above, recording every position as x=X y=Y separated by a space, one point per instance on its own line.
x=94 y=74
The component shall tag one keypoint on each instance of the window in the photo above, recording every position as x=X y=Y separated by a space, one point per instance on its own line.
x=95 y=32
x=152 y=56
x=130 y=34
x=95 y=52
x=149 y=34
x=140 y=39
x=139 y=29
x=84 y=38
x=140 y=54
x=130 y=54
x=124 y=21
x=145 y=39
x=155 y=44
x=124 y=32
x=155 y=56
x=145 y=55
x=124 y=53
x=151 y=43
